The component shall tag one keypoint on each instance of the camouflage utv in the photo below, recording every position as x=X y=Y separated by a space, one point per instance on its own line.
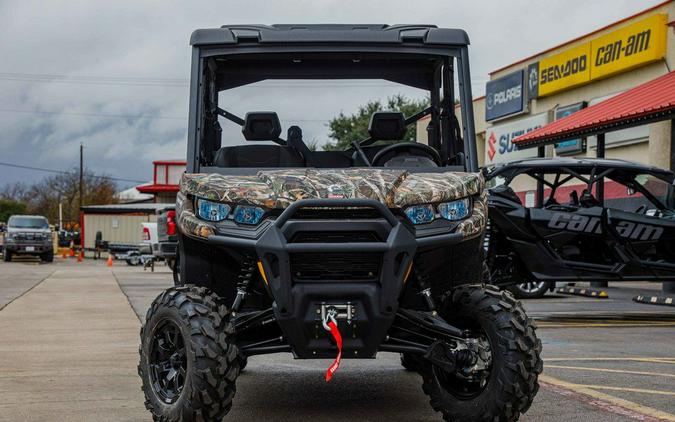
x=333 y=254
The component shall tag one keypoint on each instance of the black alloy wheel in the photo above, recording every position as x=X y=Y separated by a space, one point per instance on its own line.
x=167 y=361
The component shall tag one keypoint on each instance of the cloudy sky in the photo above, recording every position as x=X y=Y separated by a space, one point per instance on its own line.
x=113 y=75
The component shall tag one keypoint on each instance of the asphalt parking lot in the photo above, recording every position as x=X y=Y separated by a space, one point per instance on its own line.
x=69 y=339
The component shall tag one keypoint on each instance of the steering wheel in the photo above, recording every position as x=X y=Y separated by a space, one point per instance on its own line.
x=391 y=151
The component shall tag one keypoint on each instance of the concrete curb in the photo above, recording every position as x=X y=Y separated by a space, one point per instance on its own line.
x=578 y=291
x=655 y=300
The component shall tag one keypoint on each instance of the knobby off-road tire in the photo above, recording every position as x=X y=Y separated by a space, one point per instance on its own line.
x=210 y=361
x=516 y=363
x=7 y=256
x=48 y=257
x=411 y=362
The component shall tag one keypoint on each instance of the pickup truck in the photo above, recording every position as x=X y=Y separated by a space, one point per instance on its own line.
x=167 y=239
x=28 y=235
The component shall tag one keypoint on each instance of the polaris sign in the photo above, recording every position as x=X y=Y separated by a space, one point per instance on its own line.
x=505 y=96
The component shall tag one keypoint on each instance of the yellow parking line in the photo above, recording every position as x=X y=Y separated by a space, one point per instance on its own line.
x=629 y=389
x=604 y=325
x=617 y=371
x=615 y=401
x=635 y=359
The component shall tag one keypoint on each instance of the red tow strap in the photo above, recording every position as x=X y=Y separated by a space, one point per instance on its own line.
x=338 y=340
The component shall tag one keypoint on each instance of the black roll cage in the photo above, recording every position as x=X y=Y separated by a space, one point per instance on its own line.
x=595 y=175
x=443 y=131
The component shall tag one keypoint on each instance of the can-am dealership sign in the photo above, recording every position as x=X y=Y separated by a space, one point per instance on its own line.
x=499 y=146
x=505 y=96
x=628 y=47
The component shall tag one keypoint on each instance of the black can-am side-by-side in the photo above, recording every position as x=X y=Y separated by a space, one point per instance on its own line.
x=593 y=220
x=334 y=254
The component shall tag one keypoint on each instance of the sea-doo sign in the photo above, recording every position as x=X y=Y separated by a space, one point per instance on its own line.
x=564 y=70
x=623 y=49
x=505 y=96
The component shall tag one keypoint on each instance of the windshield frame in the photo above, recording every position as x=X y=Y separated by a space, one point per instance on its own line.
x=453 y=59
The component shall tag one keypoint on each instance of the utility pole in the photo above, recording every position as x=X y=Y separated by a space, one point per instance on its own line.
x=81 y=173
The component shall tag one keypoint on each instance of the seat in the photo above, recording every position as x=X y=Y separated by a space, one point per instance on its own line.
x=587 y=200
x=506 y=192
x=264 y=156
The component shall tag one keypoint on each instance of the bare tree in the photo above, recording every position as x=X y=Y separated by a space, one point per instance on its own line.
x=43 y=197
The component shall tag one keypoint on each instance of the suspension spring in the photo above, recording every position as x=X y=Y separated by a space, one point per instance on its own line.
x=425 y=288
x=244 y=280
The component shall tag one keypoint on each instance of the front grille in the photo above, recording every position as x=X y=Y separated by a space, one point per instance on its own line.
x=29 y=237
x=337 y=213
x=335 y=237
x=364 y=267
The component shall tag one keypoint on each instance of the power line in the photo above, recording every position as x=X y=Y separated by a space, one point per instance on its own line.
x=126 y=116
x=184 y=83
x=69 y=113
x=116 y=179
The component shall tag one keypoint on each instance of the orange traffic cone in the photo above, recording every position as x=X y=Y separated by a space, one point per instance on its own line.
x=80 y=256
x=65 y=253
x=110 y=261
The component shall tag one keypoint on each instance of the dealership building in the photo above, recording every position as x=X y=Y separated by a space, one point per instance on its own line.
x=569 y=77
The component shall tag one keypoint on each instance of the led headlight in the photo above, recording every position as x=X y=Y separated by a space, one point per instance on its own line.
x=455 y=210
x=244 y=214
x=212 y=211
x=420 y=214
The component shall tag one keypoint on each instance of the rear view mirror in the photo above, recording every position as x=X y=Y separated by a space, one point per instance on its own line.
x=630 y=191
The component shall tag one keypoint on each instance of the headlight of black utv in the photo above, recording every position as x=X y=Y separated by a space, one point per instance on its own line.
x=455 y=210
x=452 y=210
x=212 y=211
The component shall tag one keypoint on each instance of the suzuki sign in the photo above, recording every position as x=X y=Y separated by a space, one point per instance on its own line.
x=499 y=146
x=505 y=96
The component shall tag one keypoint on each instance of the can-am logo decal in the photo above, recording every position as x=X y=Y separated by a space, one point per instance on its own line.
x=583 y=224
x=335 y=192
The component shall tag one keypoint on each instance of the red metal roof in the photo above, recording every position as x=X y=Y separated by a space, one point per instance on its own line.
x=651 y=101
x=170 y=162
x=157 y=188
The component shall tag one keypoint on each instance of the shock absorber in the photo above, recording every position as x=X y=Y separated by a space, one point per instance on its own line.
x=425 y=288
x=243 y=280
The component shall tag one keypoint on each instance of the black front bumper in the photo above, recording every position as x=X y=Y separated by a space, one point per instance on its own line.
x=366 y=273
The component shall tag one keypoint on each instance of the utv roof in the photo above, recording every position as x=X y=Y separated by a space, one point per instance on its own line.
x=392 y=35
x=578 y=164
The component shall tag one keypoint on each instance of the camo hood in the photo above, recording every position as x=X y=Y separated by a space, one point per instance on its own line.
x=396 y=188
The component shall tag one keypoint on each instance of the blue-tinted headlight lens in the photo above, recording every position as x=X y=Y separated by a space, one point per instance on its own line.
x=244 y=214
x=420 y=214
x=212 y=211
x=455 y=210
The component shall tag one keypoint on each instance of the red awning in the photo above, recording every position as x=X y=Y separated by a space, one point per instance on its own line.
x=646 y=103
x=157 y=188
